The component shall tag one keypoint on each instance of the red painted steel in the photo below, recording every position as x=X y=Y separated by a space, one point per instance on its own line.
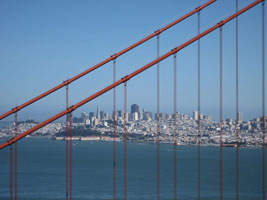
x=11 y=172
x=67 y=82
x=158 y=123
x=237 y=110
x=263 y=102
x=67 y=143
x=221 y=119
x=16 y=157
x=198 y=142
x=71 y=156
x=114 y=131
x=125 y=141
x=174 y=126
x=128 y=77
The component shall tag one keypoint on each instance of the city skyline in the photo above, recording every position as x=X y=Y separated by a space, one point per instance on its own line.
x=143 y=111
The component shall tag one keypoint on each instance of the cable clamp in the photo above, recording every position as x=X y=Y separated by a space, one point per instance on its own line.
x=16 y=109
x=71 y=109
x=10 y=141
x=114 y=56
x=198 y=9
x=221 y=23
x=157 y=32
x=175 y=50
x=125 y=78
x=66 y=82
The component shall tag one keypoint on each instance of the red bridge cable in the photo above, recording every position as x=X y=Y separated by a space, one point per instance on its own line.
x=114 y=131
x=16 y=157
x=11 y=170
x=174 y=124
x=221 y=120
x=198 y=107
x=125 y=141
x=237 y=107
x=67 y=142
x=104 y=61
x=128 y=77
x=70 y=156
x=263 y=102
x=158 y=124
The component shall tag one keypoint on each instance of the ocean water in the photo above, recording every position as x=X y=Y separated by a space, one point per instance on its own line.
x=41 y=171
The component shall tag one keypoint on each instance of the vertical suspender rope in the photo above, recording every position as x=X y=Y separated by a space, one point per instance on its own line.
x=198 y=141
x=263 y=103
x=70 y=156
x=67 y=142
x=11 y=170
x=237 y=108
x=158 y=124
x=174 y=126
x=16 y=156
x=114 y=132
x=125 y=141
x=221 y=160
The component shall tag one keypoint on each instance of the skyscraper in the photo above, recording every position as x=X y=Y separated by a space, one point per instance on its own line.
x=98 y=113
x=101 y=115
x=195 y=115
x=240 y=116
x=134 y=108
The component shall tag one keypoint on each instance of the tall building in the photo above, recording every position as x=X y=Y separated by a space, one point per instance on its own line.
x=91 y=114
x=101 y=115
x=84 y=116
x=134 y=108
x=240 y=116
x=195 y=115
x=135 y=116
x=120 y=113
x=98 y=113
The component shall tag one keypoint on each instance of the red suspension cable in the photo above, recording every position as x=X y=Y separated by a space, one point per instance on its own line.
x=263 y=102
x=198 y=107
x=16 y=157
x=158 y=124
x=221 y=132
x=114 y=131
x=125 y=141
x=67 y=142
x=237 y=109
x=11 y=170
x=174 y=127
x=71 y=156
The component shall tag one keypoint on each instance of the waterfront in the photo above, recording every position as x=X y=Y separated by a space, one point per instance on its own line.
x=41 y=171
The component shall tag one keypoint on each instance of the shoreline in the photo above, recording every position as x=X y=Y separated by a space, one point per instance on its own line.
x=119 y=139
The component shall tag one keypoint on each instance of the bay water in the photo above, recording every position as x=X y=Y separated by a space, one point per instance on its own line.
x=42 y=172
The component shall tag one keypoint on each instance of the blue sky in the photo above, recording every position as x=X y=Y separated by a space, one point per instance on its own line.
x=46 y=42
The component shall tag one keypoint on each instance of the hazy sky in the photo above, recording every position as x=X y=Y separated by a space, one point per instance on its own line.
x=46 y=42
